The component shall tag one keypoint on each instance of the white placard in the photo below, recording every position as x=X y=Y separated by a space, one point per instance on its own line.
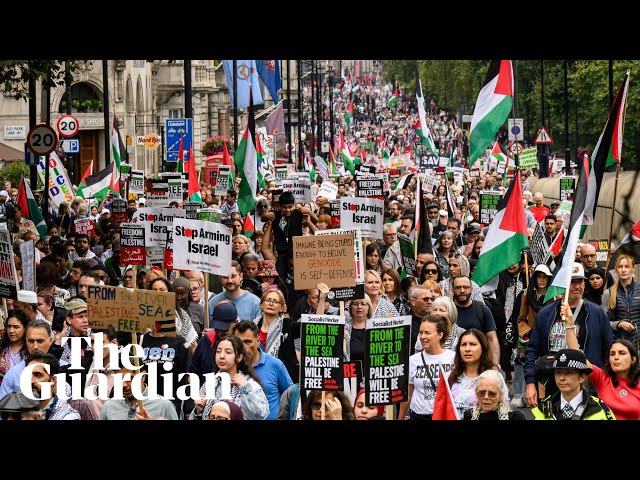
x=364 y=213
x=201 y=245
x=328 y=190
x=301 y=189
x=156 y=223
x=27 y=254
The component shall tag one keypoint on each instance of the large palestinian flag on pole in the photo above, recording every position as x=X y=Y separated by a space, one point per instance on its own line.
x=393 y=99
x=564 y=262
x=99 y=184
x=492 y=107
x=506 y=238
x=30 y=209
x=607 y=152
x=246 y=160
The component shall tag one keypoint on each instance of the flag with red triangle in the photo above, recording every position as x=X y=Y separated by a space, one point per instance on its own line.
x=556 y=245
x=444 y=408
x=249 y=227
x=194 y=183
x=349 y=115
x=631 y=243
x=87 y=173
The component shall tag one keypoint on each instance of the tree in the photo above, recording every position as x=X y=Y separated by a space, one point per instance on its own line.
x=16 y=74
x=14 y=172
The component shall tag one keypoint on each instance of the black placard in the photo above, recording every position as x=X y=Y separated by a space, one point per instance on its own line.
x=321 y=362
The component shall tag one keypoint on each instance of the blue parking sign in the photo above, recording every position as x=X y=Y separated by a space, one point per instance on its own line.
x=174 y=128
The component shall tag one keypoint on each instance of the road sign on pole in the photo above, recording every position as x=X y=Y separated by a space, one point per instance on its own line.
x=42 y=139
x=68 y=126
x=516 y=129
x=516 y=148
x=543 y=137
x=174 y=128
x=70 y=145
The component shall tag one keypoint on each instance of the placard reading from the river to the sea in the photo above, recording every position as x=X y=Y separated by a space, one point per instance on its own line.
x=321 y=361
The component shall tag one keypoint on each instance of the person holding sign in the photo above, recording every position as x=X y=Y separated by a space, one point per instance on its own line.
x=424 y=368
x=246 y=391
x=354 y=330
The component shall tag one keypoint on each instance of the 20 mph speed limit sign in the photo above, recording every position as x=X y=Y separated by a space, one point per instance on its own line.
x=68 y=126
x=42 y=139
x=516 y=148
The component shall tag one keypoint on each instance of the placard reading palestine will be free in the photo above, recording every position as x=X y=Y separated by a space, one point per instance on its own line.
x=321 y=362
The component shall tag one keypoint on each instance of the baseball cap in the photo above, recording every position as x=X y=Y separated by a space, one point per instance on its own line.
x=27 y=296
x=578 y=272
x=77 y=305
x=142 y=201
x=223 y=315
x=544 y=269
x=555 y=202
x=4 y=193
x=472 y=228
x=443 y=213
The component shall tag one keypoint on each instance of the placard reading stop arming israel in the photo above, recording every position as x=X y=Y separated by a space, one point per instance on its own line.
x=200 y=245
x=364 y=213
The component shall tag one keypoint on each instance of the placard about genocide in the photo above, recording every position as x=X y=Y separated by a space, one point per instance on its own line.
x=202 y=245
x=191 y=210
x=386 y=360
x=132 y=248
x=156 y=221
x=371 y=187
x=321 y=362
x=27 y=255
x=8 y=276
x=488 y=206
x=131 y=309
x=365 y=213
x=136 y=184
x=349 y=293
x=326 y=259
x=301 y=189
x=119 y=211
x=567 y=188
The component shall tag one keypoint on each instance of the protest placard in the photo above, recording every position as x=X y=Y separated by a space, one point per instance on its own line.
x=301 y=189
x=488 y=205
x=174 y=186
x=156 y=221
x=168 y=251
x=334 y=206
x=365 y=213
x=386 y=360
x=538 y=246
x=326 y=259
x=224 y=180
x=131 y=309
x=430 y=183
x=408 y=254
x=328 y=190
x=353 y=380
x=364 y=169
x=191 y=210
x=427 y=161
x=349 y=293
x=60 y=188
x=157 y=193
x=371 y=187
x=602 y=247
x=132 y=248
x=209 y=214
x=27 y=255
x=567 y=188
x=136 y=184
x=8 y=276
x=119 y=211
x=321 y=362
x=202 y=245
x=10 y=213
x=84 y=225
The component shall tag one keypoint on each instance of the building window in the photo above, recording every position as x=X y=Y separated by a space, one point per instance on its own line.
x=176 y=113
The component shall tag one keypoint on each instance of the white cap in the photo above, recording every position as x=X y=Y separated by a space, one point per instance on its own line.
x=578 y=272
x=443 y=213
x=27 y=296
x=4 y=193
x=141 y=200
x=544 y=269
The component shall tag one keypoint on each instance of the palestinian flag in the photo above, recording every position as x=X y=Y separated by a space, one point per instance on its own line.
x=117 y=149
x=349 y=115
x=422 y=129
x=356 y=88
x=492 y=107
x=420 y=232
x=98 y=184
x=506 y=238
x=607 y=152
x=249 y=227
x=246 y=160
x=403 y=182
x=262 y=164
x=564 y=262
x=451 y=203
x=499 y=155
x=346 y=156
x=393 y=99
x=194 y=184
x=30 y=209
x=556 y=245
x=87 y=173
x=309 y=167
x=444 y=408
x=631 y=243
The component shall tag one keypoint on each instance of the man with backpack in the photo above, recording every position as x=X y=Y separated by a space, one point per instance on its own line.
x=474 y=314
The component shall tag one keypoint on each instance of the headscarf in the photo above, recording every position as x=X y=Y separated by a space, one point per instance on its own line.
x=593 y=294
x=380 y=408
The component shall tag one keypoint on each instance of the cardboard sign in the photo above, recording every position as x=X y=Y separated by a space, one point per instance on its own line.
x=84 y=225
x=321 y=362
x=131 y=309
x=349 y=293
x=364 y=213
x=326 y=259
x=8 y=276
x=301 y=189
x=430 y=183
x=328 y=190
x=119 y=211
x=488 y=206
x=223 y=182
x=386 y=360
x=191 y=210
x=156 y=222
x=27 y=255
x=353 y=380
x=370 y=187
x=201 y=245
x=567 y=188
x=408 y=255
x=136 y=184
x=132 y=248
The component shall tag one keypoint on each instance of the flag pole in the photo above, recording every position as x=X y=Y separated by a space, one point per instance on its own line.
x=235 y=105
x=514 y=112
x=613 y=214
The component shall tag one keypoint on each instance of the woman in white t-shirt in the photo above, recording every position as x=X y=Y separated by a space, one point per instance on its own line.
x=424 y=368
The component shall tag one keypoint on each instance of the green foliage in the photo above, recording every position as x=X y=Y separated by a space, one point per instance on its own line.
x=14 y=172
x=15 y=74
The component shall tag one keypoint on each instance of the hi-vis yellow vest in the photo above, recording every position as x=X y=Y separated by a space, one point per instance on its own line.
x=603 y=414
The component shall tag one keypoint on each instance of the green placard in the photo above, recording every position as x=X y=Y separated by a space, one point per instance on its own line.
x=529 y=158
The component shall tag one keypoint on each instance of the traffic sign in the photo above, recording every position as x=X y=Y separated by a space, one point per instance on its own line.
x=516 y=129
x=174 y=127
x=543 y=137
x=42 y=139
x=68 y=126
x=70 y=145
x=516 y=148
x=29 y=158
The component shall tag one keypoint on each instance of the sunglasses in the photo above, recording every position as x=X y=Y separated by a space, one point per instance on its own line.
x=431 y=271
